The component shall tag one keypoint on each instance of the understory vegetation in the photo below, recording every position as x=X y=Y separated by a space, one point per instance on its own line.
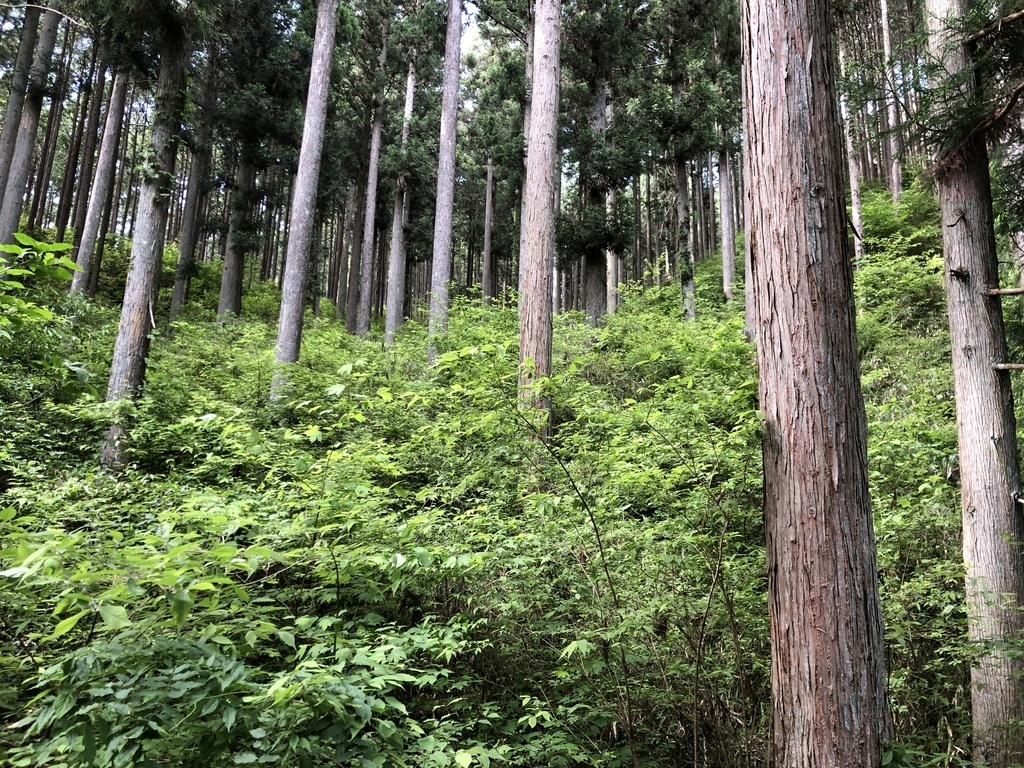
x=393 y=568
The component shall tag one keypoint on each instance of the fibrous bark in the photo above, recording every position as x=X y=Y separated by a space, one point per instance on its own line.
x=293 y=289
x=441 y=271
x=993 y=521
x=828 y=678
x=128 y=366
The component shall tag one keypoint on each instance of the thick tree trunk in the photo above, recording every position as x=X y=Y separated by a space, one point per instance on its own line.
x=54 y=120
x=540 y=191
x=100 y=193
x=395 y=301
x=131 y=347
x=370 y=212
x=993 y=521
x=441 y=271
x=19 y=85
x=21 y=160
x=828 y=676
x=293 y=290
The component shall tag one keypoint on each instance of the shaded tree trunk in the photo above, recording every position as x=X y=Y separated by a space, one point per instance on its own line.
x=194 y=193
x=131 y=346
x=892 y=110
x=370 y=212
x=21 y=160
x=441 y=271
x=540 y=191
x=100 y=193
x=486 y=264
x=293 y=290
x=395 y=301
x=728 y=222
x=993 y=522
x=828 y=677
x=683 y=247
x=230 y=300
x=19 y=86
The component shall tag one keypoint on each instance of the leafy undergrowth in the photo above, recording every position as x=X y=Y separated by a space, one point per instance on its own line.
x=392 y=569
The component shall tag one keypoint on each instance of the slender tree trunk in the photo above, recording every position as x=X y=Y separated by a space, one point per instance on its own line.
x=442 y=253
x=394 y=303
x=683 y=248
x=531 y=17
x=54 y=120
x=828 y=676
x=355 y=257
x=853 y=167
x=343 y=251
x=891 y=97
x=370 y=212
x=487 y=266
x=131 y=346
x=19 y=85
x=100 y=194
x=230 y=300
x=540 y=191
x=21 y=161
x=993 y=521
x=82 y=144
x=293 y=291
x=595 y=260
x=728 y=222
x=195 y=192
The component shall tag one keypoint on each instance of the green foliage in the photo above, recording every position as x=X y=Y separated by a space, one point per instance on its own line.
x=391 y=568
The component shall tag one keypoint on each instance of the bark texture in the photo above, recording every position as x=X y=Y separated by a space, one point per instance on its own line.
x=101 y=184
x=540 y=190
x=395 y=299
x=487 y=265
x=230 y=299
x=728 y=222
x=442 y=268
x=993 y=523
x=19 y=84
x=828 y=678
x=28 y=128
x=128 y=366
x=370 y=212
x=293 y=289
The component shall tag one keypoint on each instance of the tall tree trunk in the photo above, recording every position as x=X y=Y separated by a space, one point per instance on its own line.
x=528 y=57
x=993 y=522
x=54 y=120
x=355 y=256
x=293 y=290
x=486 y=264
x=854 y=173
x=370 y=212
x=98 y=199
x=344 y=246
x=891 y=95
x=87 y=115
x=395 y=301
x=194 y=192
x=21 y=160
x=230 y=300
x=540 y=190
x=828 y=677
x=19 y=85
x=441 y=271
x=131 y=347
x=725 y=209
x=595 y=260
x=683 y=239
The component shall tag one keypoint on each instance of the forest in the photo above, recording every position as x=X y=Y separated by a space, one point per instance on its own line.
x=527 y=383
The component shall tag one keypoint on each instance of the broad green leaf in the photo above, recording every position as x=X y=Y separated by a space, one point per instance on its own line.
x=65 y=626
x=114 y=616
x=463 y=758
